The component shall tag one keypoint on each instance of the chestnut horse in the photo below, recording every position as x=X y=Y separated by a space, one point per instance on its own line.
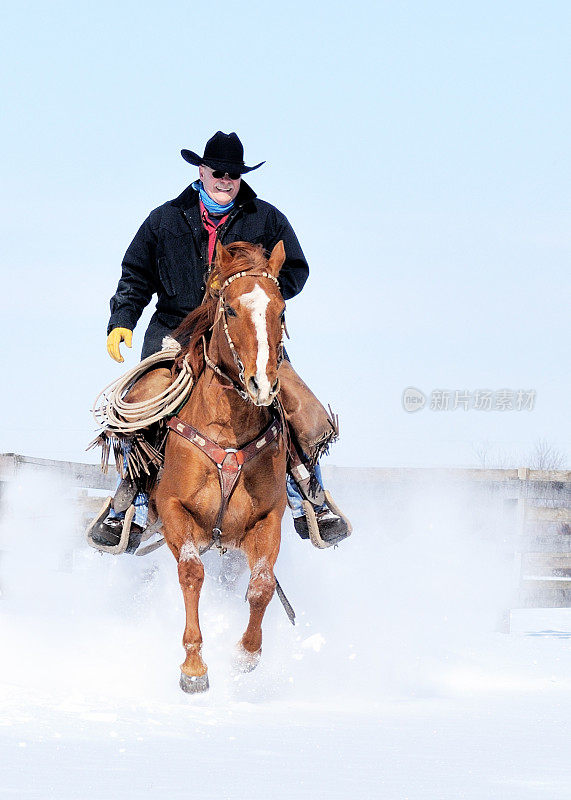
x=234 y=342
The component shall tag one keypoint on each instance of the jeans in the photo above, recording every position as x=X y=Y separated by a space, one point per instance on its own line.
x=294 y=496
x=141 y=501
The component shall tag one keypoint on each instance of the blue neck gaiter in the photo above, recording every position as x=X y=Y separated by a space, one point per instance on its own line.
x=209 y=204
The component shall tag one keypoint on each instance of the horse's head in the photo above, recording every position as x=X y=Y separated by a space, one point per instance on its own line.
x=249 y=324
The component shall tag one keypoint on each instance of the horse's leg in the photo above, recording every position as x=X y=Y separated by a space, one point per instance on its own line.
x=178 y=526
x=261 y=546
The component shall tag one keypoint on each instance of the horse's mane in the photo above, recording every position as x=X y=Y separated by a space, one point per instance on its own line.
x=245 y=258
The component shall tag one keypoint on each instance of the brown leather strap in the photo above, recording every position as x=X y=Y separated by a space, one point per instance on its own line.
x=229 y=461
x=267 y=437
x=217 y=453
x=212 y=450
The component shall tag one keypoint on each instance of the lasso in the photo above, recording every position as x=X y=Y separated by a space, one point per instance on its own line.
x=122 y=422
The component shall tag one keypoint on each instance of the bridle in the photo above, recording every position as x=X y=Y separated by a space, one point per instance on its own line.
x=239 y=385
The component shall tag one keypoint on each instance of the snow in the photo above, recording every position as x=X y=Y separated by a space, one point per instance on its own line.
x=394 y=684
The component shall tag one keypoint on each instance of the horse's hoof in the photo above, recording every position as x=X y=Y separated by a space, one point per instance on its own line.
x=244 y=660
x=194 y=684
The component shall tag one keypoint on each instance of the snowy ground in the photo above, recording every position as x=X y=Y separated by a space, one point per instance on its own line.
x=394 y=684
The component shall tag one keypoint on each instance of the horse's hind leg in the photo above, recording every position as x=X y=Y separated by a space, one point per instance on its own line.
x=261 y=547
x=178 y=528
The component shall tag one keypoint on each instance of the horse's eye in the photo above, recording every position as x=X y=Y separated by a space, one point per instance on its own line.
x=230 y=311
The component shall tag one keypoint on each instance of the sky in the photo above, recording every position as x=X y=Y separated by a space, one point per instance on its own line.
x=420 y=151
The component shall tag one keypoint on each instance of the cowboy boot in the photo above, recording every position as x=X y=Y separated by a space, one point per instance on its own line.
x=111 y=528
x=108 y=531
x=312 y=430
x=325 y=528
x=114 y=534
x=316 y=515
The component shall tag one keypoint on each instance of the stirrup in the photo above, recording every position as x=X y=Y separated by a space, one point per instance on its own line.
x=114 y=549
x=313 y=527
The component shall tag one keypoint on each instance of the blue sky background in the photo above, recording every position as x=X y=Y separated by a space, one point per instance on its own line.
x=420 y=150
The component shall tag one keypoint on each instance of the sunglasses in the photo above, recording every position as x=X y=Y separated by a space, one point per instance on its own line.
x=217 y=173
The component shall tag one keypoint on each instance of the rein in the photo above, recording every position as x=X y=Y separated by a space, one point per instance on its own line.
x=221 y=374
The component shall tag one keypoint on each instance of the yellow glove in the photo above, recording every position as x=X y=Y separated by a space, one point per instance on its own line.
x=115 y=338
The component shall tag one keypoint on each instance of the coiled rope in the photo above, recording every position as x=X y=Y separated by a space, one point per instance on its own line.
x=122 y=422
x=115 y=415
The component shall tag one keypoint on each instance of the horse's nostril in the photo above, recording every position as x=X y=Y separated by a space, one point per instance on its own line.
x=253 y=384
x=276 y=386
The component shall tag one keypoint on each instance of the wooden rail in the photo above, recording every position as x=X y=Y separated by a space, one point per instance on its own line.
x=90 y=475
x=86 y=476
x=533 y=509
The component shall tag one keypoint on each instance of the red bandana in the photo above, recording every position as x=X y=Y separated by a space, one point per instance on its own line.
x=210 y=225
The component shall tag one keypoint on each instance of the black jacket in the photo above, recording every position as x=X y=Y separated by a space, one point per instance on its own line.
x=169 y=257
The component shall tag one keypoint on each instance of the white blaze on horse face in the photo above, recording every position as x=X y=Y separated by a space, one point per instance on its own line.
x=257 y=302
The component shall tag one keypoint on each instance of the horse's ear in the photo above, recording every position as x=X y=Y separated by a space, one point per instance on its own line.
x=223 y=257
x=276 y=259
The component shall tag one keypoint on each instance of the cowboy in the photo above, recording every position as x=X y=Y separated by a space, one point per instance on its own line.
x=172 y=255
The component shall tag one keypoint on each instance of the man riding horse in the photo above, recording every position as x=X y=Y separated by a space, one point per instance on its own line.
x=172 y=255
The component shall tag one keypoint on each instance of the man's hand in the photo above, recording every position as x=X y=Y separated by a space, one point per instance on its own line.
x=115 y=338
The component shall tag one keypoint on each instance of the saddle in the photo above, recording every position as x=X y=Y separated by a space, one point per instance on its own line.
x=309 y=428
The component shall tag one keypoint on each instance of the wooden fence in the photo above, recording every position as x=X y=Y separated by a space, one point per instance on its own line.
x=531 y=509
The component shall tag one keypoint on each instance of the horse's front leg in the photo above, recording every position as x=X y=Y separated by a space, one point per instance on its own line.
x=178 y=527
x=261 y=546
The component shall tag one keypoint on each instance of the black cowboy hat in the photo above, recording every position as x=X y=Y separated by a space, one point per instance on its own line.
x=224 y=151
